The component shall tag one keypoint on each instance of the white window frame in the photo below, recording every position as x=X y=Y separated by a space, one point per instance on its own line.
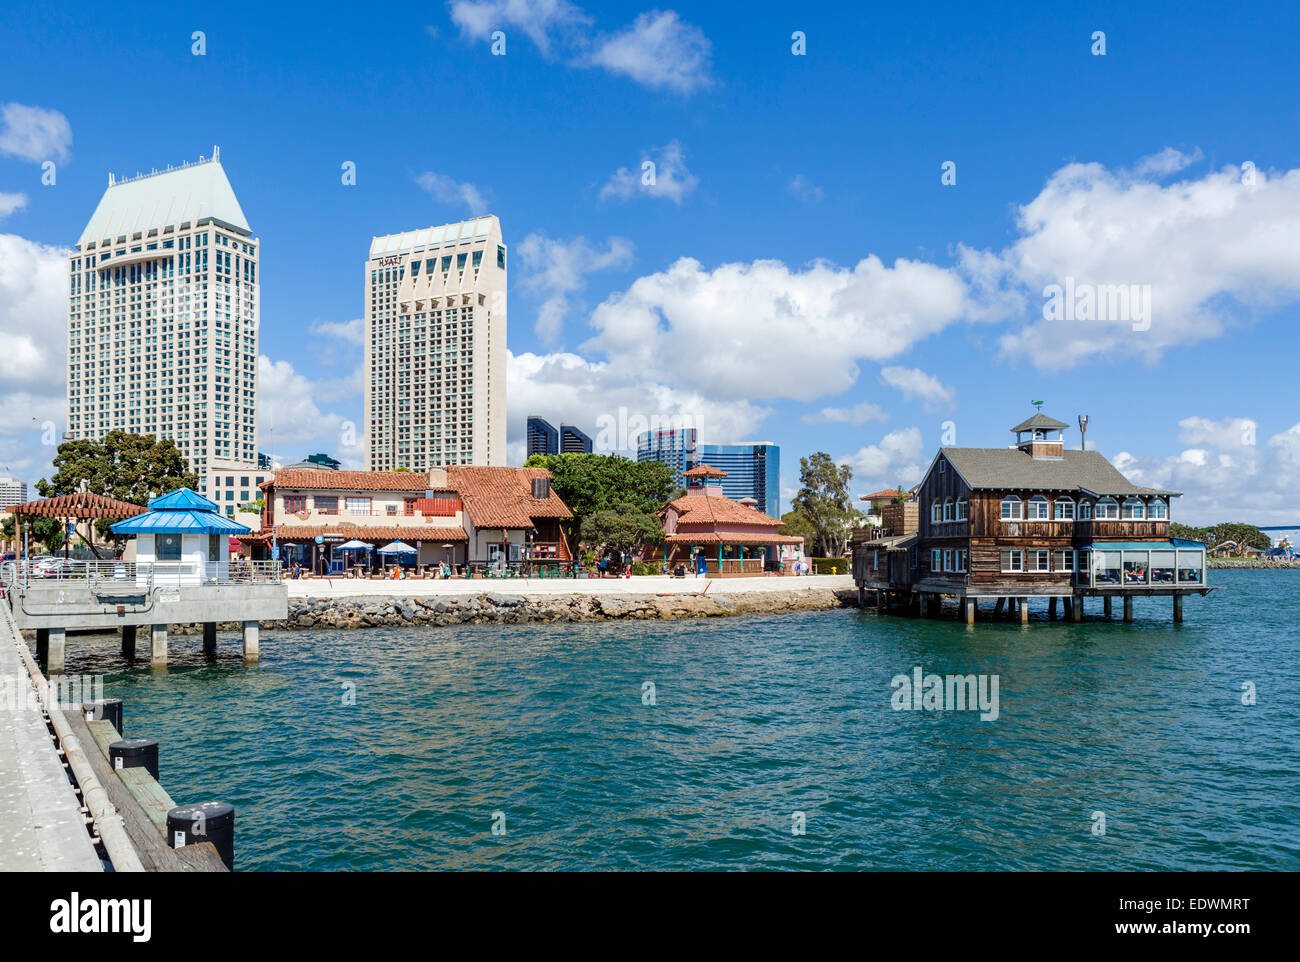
x=1015 y=556
x=1158 y=504
x=1128 y=504
x=947 y=509
x=1012 y=500
x=1106 y=515
x=963 y=509
x=1085 y=510
x=1060 y=507
x=1039 y=509
x=960 y=559
x=947 y=560
x=936 y=560
x=1066 y=554
x=936 y=510
x=1042 y=558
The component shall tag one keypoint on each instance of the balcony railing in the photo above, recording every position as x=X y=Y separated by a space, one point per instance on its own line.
x=141 y=573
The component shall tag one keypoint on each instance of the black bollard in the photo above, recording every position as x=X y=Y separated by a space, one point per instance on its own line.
x=135 y=753
x=204 y=822
x=106 y=709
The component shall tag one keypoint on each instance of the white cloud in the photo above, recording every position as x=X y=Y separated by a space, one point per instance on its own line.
x=611 y=402
x=11 y=202
x=760 y=330
x=808 y=192
x=858 y=414
x=34 y=133
x=916 y=384
x=449 y=191
x=1212 y=250
x=667 y=178
x=1229 y=434
x=542 y=21
x=33 y=363
x=559 y=268
x=353 y=332
x=660 y=51
x=290 y=418
x=1222 y=478
x=898 y=458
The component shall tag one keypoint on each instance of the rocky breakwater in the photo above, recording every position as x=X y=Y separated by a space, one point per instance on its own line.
x=385 y=611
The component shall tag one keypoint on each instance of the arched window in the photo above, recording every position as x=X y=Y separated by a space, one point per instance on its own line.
x=936 y=509
x=1134 y=509
x=1064 y=509
x=1157 y=510
x=1085 y=510
x=1107 y=509
x=1012 y=508
x=963 y=509
x=947 y=509
x=1038 y=508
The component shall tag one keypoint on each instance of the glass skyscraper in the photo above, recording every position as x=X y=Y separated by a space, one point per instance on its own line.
x=753 y=467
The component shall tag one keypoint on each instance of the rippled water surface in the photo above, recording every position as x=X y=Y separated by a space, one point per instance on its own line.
x=756 y=718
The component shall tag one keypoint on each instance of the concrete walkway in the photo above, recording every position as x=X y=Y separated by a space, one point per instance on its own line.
x=648 y=585
x=41 y=827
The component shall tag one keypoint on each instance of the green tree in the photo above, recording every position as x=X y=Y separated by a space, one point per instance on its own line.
x=624 y=529
x=128 y=467
x=44 y=531
x=824 y=500
x=797 y=525
x=591 y=483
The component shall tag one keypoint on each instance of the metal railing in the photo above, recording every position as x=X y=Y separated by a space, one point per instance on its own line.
x=142 y=573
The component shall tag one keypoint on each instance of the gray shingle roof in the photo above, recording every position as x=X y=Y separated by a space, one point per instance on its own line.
x=1002 y=468
x=1041 y=420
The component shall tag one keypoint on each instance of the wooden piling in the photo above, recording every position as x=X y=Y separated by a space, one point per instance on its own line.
x=1178 y=609
x=210 y=639
x=1110 y=606
x=1051 y=608
x=128 y=642
x=1023 y=605
x=1128 y=607
x=1074 y=607
x=970 y=611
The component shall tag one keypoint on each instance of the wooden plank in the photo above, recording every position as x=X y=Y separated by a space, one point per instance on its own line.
x=104 y=734
x=155 y=854
x=152 y=798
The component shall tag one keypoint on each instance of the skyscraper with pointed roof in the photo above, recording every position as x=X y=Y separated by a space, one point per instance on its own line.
x=163 y=314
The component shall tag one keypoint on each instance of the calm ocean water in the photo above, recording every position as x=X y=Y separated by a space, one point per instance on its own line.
x=756 y=718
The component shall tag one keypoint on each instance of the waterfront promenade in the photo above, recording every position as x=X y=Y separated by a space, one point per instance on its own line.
x=41 y=826
x=642 y=585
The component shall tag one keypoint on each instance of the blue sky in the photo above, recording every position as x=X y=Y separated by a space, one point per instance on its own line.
x=778 y=176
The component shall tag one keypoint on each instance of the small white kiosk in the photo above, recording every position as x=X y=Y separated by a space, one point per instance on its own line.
x=183 y=539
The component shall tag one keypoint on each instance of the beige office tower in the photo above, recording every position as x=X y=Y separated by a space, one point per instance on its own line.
x=163 y=316
x=435 y=370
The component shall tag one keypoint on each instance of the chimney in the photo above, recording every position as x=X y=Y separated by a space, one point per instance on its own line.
x=436 y=479
x=1083 y=432
x=541 y=488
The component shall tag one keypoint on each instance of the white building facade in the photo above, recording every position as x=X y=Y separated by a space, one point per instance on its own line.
x=163 y=317
x=435 y=347
x=12 y=491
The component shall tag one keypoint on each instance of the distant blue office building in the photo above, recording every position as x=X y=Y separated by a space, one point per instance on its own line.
x=675 y=448
x=753 y=471
x=542 y=436
x=573 y=441
x=753 y=468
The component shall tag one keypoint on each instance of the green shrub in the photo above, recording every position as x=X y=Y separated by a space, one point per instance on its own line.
x=642 y=568
x=823 y=566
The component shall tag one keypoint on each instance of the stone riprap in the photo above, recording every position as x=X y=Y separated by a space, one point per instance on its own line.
x=379 y=611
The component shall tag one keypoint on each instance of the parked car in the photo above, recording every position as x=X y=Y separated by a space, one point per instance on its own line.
x=49 y=568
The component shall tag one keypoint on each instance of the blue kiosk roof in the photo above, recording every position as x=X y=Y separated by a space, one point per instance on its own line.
x=181 y=511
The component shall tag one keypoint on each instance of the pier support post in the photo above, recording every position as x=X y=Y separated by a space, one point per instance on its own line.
x=128 y=642
x=1075 y=608
x=936 y=604
x=210 y=639
x=997 y=608
x=970 y=611
x=1178 y=609
x=57 y=643
x=158 y=643
x=1023 y=605
x=1110 y=606
x=250 y=642
x=42 y=646
x=1128 y=607
x=1051 y=608
x=862 y=597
